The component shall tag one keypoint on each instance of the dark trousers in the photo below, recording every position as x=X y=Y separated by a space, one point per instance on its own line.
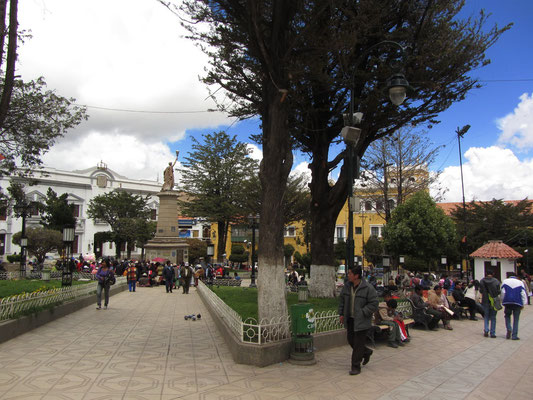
x=168 y=285
x=357 y=340
x=437 y=316
x=186 y=285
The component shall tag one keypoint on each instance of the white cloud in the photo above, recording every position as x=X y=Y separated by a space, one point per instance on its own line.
x=489 y=172
x=255 y=152
x=517 y=127
x=302 y=169
x=124 y=154
x=120 y=54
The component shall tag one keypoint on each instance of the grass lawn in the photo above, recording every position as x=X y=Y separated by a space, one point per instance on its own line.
x=11 y=287
x=244 y=300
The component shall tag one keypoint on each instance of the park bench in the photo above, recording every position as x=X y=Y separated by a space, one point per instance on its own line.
x=460 y=311
x=419 y=315
x=406 y=309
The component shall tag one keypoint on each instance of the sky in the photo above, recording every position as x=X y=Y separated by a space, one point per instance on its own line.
x=128 y=62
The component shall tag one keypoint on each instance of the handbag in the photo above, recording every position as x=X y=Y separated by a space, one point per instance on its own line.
x=495 y=302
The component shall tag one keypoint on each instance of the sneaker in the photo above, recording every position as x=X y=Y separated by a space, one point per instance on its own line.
x=98 y=308
x=493 y=336
x=508 y=335
x=400 y=343
x=486 y=334
x=393 y=345
x=366 y=357
x=516 y=338
x=355 y=371
x=448 y=327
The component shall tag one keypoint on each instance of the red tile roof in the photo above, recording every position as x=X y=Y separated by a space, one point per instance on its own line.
x=497 y=249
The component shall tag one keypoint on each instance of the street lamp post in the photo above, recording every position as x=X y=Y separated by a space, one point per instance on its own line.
x=23 y=249
x=253 y=220
x=460 y=133
x=397 y=87
x=68 y=239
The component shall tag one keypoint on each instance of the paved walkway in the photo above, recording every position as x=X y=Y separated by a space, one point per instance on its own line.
x=142 y=348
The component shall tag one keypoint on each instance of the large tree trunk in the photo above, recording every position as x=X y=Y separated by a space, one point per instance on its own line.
x=274 y=171
x=326 y=203
x=221 y=243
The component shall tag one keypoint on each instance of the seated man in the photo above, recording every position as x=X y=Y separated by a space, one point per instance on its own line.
x=385 y=316
x=459 y=296
x=144 y=281
x=432 y=316
x=438 y=302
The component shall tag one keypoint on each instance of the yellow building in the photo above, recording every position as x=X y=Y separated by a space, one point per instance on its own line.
x=242 y=234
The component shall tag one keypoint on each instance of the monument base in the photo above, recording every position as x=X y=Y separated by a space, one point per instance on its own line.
x=174 y=249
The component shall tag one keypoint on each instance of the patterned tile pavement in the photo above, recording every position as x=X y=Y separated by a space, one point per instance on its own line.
x=142 y=348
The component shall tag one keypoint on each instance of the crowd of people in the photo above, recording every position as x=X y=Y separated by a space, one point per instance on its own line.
x=359 y=305
x=148 y=274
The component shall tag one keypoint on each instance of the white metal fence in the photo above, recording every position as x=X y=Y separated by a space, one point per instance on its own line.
x=13 y=306
x=38 y=275
x=258 y=332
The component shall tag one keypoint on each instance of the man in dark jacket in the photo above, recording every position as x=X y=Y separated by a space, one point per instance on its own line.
x=489 y=287
x=358 y=302
x=168 y=276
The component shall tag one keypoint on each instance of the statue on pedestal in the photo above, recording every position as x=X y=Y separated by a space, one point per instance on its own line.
x=168 y=175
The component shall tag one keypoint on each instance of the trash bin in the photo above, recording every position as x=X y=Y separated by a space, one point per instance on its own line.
x=302 y=324
x=45 y=274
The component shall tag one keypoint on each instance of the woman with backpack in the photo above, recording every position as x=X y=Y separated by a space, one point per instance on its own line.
x=106 y=278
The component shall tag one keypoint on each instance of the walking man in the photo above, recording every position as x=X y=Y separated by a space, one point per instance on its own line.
x=358 y=301
x=168 y=276
x=186 y=276
x=514 y=297
x=489 y=287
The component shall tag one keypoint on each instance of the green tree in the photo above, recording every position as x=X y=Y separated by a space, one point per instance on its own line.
x=303 y=259
x=145 y=231
x=214 y=175
x=197 y=249
x=57 y=212
x=420 y=229
x=496 y=219
x=288 y=251
x=121 y=210
x=31 y=117
x=374 y=250
x=340 y=250
x=238 y=254
x=40 y=242
x=292 y=63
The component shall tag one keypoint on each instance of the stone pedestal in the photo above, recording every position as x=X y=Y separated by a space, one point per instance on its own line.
x=167 y=244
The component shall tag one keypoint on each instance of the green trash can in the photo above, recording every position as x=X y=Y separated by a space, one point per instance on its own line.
x=302 y=324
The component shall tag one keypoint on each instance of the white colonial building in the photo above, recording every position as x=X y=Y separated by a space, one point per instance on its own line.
x=82 y=186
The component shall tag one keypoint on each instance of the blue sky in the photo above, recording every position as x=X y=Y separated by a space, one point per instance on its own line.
x=138 y=60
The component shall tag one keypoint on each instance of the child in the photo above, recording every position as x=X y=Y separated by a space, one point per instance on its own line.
x=392 y=304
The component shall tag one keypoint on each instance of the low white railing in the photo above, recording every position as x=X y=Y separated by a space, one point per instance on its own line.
x=258 y=332
x=13 y=306
x=38 y=275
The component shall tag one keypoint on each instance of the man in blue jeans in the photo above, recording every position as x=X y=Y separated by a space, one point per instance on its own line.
x=489 y=287
x=514 y=298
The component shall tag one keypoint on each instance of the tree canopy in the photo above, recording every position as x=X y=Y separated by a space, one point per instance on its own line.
x=294 y=63
x=124 y=212
x=40 y=241
x=57 y=212
x=420 y=229
x=510 y=222
x=214 y=175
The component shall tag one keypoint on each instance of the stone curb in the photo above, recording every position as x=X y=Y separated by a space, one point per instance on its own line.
x=15 y=327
